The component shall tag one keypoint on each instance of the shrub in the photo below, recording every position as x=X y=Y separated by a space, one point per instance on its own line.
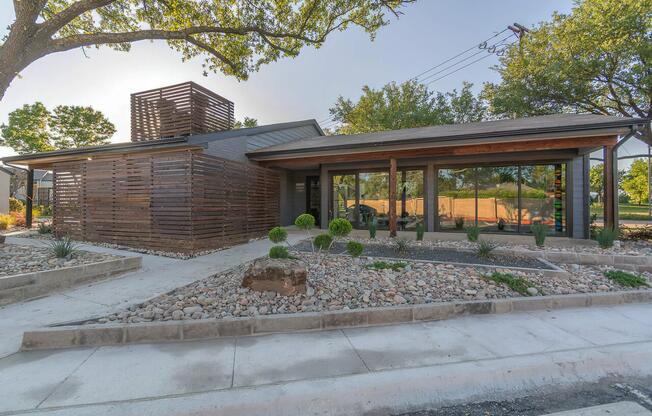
x=517 y=284
x=420 y=230
x=18 y=218
x=626 y=279
x=354 y=248
x=484 y=249
x=46 y=210
x=459 y=223
x=305 y=222
x=277 y=235
x=373 y=226
x=472 y=233
x=606 y=237
x=16 y=205
x=323 y=241
x=6 y=221
x=44 y=228
x=402 y=245
x=278 y=252
x=63 y=247
x=539 y=231
x=382 y=265
x=340 y=227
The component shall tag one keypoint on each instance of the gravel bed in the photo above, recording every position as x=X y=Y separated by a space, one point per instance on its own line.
x=436 y=253
x=341 y=282
x=17 y=259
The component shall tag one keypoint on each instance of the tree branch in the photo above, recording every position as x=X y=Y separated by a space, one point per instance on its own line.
x=54 y=24
x=212 y=51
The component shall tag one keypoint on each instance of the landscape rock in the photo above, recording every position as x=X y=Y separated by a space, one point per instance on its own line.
x=283 y=276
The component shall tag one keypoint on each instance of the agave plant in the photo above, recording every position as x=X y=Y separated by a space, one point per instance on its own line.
x=63 y=248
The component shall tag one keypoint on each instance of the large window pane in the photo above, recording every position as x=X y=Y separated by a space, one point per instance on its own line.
x=456 y=199
x=410 y=199
x=343 y=196
x=374 y=199
x=543 y=197
x=498 y=198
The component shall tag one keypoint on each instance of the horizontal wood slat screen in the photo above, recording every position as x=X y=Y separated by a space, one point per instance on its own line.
x=178 y=110
x=177 y=201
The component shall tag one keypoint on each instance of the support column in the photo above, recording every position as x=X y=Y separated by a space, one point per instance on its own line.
x=325 y=189
x=392 y=197
x=610 y=195
x=29 y=198
x=430 y=197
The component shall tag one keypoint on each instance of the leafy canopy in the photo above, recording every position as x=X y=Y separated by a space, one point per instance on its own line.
x=247 y=122
x=635 y=183
x=406 y=105
x=597 y=59
x=32 y=128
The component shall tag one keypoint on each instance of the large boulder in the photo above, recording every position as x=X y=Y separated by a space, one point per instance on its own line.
x=284 y=276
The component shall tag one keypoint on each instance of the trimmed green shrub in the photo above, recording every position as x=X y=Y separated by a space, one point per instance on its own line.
x=16 y=205
x=44 y=228
x=402 y=245
x=472 y=233
x=517 y=284
x=382 y=265
x=63 y=247
x=484 y=249
x=626 y=279
x=373 y=226
x=277 y=235
x=278 y=252
x=305 y=222
x=606 y=237
x=459 y=223
x=539 y=231
x=420 y=230
x=323 y=241
x=340 y=227
x=354 y=248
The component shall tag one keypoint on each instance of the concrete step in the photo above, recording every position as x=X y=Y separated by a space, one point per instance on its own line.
x=611 y=409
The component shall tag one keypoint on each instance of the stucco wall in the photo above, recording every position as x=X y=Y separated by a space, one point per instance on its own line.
x=4 y=192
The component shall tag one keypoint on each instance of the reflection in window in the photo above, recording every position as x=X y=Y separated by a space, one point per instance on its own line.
x=410 y=195
x=374 y=199
x=343 y=196
x=543 y=197
x=498 y=198
x=456 y=199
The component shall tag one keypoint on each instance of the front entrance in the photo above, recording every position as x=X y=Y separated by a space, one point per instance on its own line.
x=313 y=197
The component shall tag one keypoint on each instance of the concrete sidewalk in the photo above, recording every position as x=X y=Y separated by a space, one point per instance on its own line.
x=385 y=370
x=157 y=276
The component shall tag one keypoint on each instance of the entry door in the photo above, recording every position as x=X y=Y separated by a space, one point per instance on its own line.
x=313 y=197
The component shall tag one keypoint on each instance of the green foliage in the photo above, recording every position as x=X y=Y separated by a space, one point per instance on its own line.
x=277 y=235
x=63 y=247
x=606 y=237
x=472 y=233
x=373 y=226
x=540 y=231
x=323 y=241
x=382 y=265
x=248 y=122
x=16 y=205
x=484 y=249
x=44 y=228
x=596 y=177
x=6 y=221
x=459 y=223
x=420 y=231
x=305 y=222
x=517 y=284
x=406 y=105
x=595 y=60
x=32 y=128
x=354 y=248
x=635 y=182
x=402 y=245
x=340 y=227
x=278 y=252
x=626 y=279
x=43 y=210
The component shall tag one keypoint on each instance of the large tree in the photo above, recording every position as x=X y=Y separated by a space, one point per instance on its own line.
x=597 y=59
x=406 y=105
x=635 y=182
x=234 y=37
x=32 y=128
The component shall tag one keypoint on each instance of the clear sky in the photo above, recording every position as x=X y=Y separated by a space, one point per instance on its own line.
x=429 y=32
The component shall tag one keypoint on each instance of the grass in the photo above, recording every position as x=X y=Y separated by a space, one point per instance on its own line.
x=484 y=249
x=382 y=265
x=517 y=284
x=625 y=211
x=625 y=279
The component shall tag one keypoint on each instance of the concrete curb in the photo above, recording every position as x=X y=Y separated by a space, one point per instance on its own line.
x=25 y=286
x=154 y=332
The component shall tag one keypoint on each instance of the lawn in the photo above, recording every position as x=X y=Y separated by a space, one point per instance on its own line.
x=625 y=211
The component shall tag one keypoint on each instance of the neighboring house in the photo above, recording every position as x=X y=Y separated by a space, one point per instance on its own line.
x=198 y=189
x=5 y=179
x=42 y=186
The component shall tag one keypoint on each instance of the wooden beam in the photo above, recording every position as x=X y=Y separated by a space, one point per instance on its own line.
x=609 y=203
x=392 y=197
x=29 y=198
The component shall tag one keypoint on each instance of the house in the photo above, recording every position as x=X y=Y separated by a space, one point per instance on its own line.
x=5 y=181
x=188 y=182
x=42 y=186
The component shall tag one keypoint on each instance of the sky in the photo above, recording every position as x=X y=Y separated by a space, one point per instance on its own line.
x=429 y=32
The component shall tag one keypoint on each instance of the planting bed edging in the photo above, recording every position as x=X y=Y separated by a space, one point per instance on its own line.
x=640 y=263
x=24 y=286
x=152 y=332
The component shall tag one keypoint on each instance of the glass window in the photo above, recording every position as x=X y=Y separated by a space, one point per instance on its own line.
x=374 y=199
x=498 y=198
x=343 y=196
x=410 y=199
x=543 y=197
x=456 y=199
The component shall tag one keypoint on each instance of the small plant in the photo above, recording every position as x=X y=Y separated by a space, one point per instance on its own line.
x=323 y=241
x=63 y=248
x=277 y=235
x=305 y=222
x=484 y=249
x=459 y=223
x=372 y=224
x=420 y=230
x=340 y=227
x=606 y=237
x=18 y=218
x=382 y=265
x=472 y=233
x=539 y=231
x=44 y=228
x=517 y=284
x=278 y=252
x=626 y=279
x=16 y=205
x=402 y=245
x=354 y=248
x=6 y=221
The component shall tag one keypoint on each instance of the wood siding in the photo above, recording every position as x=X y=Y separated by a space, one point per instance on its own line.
x=177 y=201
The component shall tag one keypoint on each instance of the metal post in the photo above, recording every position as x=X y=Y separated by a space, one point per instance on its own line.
x=392 y=197
x=29 y=198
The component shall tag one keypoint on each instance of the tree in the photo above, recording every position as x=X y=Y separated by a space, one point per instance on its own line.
x=246 y=123
x=32 y=128
x=597 y=59
x=596 y=178
x=635 y=181
x=406 y=105
x=234 y=37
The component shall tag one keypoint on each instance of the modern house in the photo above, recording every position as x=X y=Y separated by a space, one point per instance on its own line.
x=188 y=181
